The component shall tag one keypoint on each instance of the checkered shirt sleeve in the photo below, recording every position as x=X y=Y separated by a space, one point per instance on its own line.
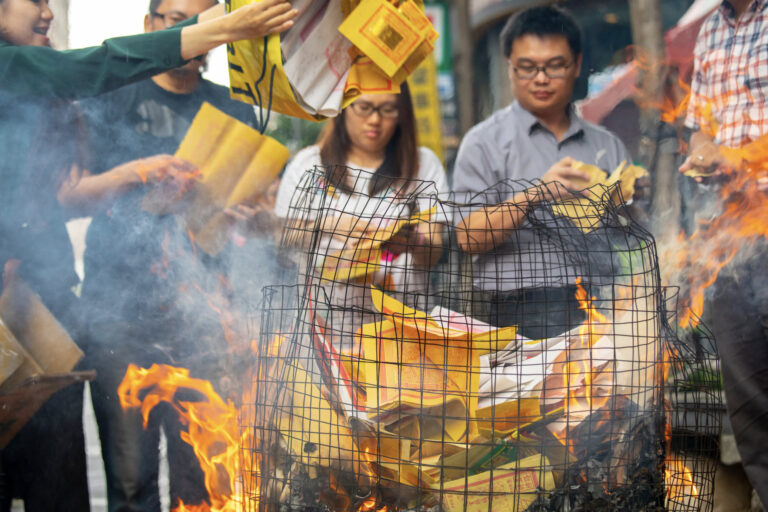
x=729 y=91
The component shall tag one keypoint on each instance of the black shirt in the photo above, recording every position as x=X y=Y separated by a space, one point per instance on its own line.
x=136 y=262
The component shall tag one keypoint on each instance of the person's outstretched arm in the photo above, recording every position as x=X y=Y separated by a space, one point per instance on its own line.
x=34 y=71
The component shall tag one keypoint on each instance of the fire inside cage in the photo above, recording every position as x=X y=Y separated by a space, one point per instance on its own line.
x=405 y=370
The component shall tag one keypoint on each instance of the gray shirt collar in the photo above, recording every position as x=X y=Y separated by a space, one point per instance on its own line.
x=576 y=129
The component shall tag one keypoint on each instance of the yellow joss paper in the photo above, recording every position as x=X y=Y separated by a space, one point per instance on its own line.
x=316 y=434
x=506 y=417
x=365 y=77
x=587 y=213
x=421 y=326
x=595 y=175
x=511 y=488
x=237 y=164
x=383 y=33
x=364 y=258
x=246 y=59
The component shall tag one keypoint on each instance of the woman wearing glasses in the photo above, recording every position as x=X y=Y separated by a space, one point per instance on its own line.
x=373 y=168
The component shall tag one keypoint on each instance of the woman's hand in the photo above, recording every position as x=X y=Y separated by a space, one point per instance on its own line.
x=251 y=21
x=257 y=20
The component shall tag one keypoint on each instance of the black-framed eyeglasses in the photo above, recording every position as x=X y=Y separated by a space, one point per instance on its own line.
x=170 y=18
x=385 y=110
x=555 y=69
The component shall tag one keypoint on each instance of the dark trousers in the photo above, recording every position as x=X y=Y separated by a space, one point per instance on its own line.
x=44 y=464
x=538 y=312
x=738 y=313
x=130 y=451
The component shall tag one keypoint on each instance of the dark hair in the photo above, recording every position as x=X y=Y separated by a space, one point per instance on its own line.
x=541 y=21
x=154 y=4
x=401 y=161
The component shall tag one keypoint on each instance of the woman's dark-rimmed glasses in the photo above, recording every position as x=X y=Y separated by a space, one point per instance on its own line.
x=385 y=110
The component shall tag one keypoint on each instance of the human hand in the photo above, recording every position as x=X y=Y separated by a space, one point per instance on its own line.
x=168 y=179
x=704 y=161
x=559 y=182
x=258 y=215
x=259 y=19
x=159 y=168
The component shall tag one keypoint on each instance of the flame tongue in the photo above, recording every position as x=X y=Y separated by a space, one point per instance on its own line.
x=213 y=429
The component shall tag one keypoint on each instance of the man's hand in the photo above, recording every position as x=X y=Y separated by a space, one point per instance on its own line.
x=558 y=182
x=704 y=161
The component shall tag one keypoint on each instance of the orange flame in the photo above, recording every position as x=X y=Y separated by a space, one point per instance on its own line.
x=696 y=261
x=213 y=431
x=679 y=480
x=581 y=398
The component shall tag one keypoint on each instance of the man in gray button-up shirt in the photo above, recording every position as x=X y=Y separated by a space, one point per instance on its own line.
x=538 y=137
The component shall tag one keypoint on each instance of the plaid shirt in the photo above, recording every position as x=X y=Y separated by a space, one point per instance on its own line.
x=729 y=93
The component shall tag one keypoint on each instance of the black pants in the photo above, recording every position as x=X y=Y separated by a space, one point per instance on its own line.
x=129 y=450
x=45 y=463
x=538 y=312
x=738 y=313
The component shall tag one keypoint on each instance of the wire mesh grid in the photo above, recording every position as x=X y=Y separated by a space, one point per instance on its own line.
x=419 y=364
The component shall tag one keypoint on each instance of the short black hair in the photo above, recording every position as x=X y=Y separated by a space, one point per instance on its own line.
x=154 y=4
x=542 y=22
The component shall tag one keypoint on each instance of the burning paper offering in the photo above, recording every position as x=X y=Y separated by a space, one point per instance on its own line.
x=236 y=165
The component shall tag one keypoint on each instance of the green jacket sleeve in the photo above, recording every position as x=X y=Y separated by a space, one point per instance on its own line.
x=33 y=71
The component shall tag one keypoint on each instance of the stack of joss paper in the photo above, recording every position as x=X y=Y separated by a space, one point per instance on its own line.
x=235 y=163
x=445 y=404
x=587 y=213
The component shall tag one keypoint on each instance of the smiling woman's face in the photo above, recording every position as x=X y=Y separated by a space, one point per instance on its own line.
x=25 y=22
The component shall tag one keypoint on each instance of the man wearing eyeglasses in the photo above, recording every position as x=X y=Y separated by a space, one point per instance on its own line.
x=537 y=137
x=138 y=264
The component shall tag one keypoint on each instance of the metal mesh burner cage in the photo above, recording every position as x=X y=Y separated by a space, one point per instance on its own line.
x=417 y=364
